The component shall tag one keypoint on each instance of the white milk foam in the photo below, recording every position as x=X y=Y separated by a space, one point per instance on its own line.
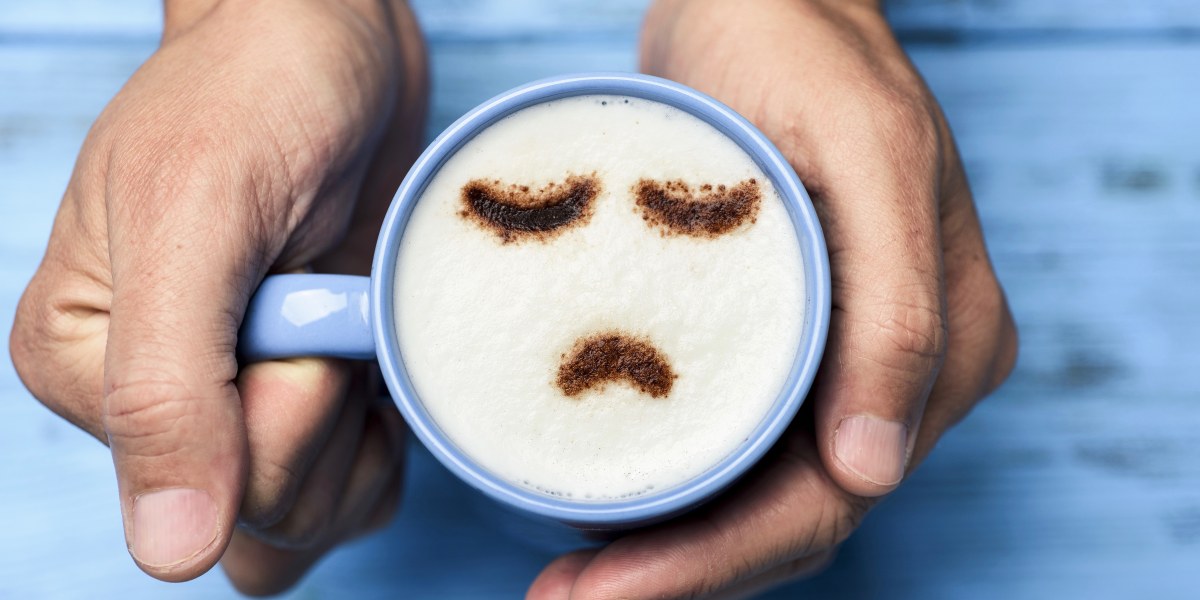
x=482 y=325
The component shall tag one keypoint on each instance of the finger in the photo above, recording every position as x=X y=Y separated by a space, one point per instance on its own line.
x=310 y=513
x=57 y=344
x=982 y=346
x=887 y=334
x=397 y=433
x=379 y=462
x=257 y=567
x=61 y=323
x=556 y=580
x=792 y=570
x=374 y=476
x=385 y=510
x=182 y=274
x=787 y=510
x=293 y=408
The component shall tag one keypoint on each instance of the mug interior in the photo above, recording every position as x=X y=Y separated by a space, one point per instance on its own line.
x=661 y=504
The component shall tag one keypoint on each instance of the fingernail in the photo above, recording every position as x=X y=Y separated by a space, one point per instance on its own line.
x=171 y=526
x=874 y=449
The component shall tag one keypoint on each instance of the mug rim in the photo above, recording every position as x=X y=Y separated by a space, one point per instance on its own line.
x=651 y=507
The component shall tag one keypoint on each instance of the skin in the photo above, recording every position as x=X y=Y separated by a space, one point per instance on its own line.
x=920 y=329
x=233 y=152
x=236 y=151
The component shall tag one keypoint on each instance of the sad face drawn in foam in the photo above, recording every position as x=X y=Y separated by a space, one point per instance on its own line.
x=516 y=213
x=585 y=311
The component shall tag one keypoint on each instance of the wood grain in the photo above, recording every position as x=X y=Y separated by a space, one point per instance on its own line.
x=1078 y=479
x=477 y=19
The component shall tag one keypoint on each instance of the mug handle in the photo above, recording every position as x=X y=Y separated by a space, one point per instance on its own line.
x=309 y=315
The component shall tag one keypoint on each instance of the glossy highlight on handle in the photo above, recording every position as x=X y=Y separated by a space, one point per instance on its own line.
x=309 y=315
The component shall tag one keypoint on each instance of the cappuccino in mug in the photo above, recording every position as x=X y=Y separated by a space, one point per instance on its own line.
x=599 y=297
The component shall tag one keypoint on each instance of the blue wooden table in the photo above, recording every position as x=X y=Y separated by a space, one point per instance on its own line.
x=1079 y=121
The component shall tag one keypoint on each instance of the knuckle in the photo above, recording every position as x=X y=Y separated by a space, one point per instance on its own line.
x=47 y=327
x=846 y=515
x=1008 y=343
x=270 y=493
x=312 y=518
x=984 y=319
x=1004 y=336
x=914 y=332
x=839 y=514
x=916 y=329
x=147 y=413
x=304 y=529
x=22 y=348
x=60 y=321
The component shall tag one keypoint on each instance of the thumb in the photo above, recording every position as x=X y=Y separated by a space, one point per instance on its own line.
x=171 y=409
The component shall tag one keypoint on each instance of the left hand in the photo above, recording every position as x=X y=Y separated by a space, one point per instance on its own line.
x=260 y=137
x=920 y=330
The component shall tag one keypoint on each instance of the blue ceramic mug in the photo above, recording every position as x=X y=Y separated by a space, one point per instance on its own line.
x=353 y=317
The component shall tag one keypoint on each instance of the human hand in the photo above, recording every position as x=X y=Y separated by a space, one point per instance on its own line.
x=261 y=136
x=920 y=330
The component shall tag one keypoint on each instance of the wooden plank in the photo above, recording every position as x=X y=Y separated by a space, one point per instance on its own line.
x=489 y=19
x=1034 y=14
x=81 y=17
x=1077 y=479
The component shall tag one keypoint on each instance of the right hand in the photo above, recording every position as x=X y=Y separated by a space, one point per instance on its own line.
x=262 y=136
x=919 y=330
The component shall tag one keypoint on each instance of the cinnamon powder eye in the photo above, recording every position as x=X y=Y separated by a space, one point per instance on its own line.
x=517 y=213
x=707 y=211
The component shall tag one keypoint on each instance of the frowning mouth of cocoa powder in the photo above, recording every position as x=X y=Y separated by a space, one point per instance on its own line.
x=709 y=211
x=516 y=212
x=602 y=358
